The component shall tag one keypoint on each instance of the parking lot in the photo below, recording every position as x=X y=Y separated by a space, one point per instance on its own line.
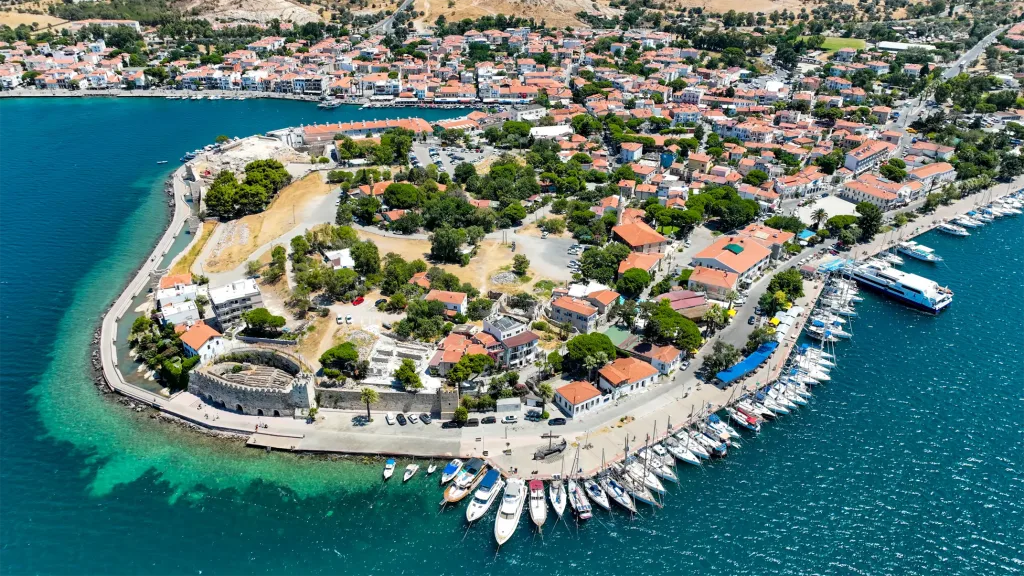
x=444 y=157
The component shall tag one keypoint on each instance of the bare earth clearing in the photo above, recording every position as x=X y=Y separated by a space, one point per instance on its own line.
x=262 y=11
x=552 y=12
x=242 y=237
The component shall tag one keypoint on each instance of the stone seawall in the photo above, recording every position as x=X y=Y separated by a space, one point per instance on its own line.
x=438 y=405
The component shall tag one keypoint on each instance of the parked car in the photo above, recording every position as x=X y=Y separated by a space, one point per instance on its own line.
x=390 y=419
x=751 y=320
x=380 y=302
x=340 y=318
x=401 y=419
x=685 y=365
x=386 y=326
x=472 y=422
x=358 y=301
x=348 y=319
x=450 y=424
x=425 y=418
x=414 y=418
x=757 y=310
x=510 y=419
x=556 y=422
x=489 y=420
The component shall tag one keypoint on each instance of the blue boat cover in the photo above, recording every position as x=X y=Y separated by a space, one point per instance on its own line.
x=748 y=364
x=449 y=468
x=490 y=478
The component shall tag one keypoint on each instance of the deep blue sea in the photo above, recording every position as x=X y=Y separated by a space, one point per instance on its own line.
x=911 y=461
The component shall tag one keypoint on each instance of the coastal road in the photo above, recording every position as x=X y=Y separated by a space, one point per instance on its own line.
x=108 y=327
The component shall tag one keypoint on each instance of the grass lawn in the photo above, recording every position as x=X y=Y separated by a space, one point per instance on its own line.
x=832 y=43
x=668 y=230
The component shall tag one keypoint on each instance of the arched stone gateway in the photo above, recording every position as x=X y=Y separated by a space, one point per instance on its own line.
x=256 y=381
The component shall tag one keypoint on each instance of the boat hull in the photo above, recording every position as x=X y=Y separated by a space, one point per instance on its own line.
x=903 y=299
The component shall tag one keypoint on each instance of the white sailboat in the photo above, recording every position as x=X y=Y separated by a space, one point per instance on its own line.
x=512 y=502
x=596 y=493
x=578 y=500
x=556 y=491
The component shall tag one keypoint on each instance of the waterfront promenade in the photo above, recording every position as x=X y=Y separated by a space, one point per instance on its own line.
x=677 y=400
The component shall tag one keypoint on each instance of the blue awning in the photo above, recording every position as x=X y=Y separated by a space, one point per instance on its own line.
x=748 y=364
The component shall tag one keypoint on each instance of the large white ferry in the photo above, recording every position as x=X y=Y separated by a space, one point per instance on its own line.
x=913 y=290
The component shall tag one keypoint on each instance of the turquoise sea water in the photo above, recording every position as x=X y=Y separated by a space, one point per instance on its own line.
x=908 y=462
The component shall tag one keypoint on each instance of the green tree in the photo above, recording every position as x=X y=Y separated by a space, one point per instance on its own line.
x=461 y=414
x=633 y=282
x=722 y=356
x=520 y=264
x=555 y=362
x=343 y=357
x=366 y=258
x=446 y=244
x=261 y=321
x=368 y=396
x=789 y=281
x=755 y=178
x=222 y=139
x=588 y=345
x=870 y=220
x=407 y=376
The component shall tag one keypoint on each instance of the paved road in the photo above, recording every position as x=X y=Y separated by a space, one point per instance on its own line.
x=387 y=24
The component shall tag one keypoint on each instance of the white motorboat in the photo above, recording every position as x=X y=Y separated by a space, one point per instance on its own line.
x=596 y=494
x=891 y=258
x=911 y=289
x=410 y=471
x=389 y=468
x=967 y=222
x=918 y=251
x=511 y=508
x=538 y=503
x=578 y=500
x=431 y=468
x=466 y=481
x=953 y=229
x=616 y=491
x=485 y=495
x=556 y=492
x=451 y=471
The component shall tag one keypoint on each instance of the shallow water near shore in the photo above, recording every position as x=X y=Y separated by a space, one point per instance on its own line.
x=908 y=462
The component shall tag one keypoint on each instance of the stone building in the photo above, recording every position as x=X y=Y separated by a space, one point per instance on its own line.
x=254 y=381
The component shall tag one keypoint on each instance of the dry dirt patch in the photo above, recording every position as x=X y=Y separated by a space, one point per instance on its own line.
x=245 y=235
x=184 y=264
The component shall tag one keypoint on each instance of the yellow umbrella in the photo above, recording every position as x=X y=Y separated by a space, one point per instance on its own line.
x=732 y=311
x=774 y=321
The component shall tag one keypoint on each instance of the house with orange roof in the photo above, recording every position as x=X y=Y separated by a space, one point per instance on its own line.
x=454 y=302
x=579 y=313
x=172 y=280
x=664 y=358
x=602 y=300
x=203 y=341
x=932 y=175
x=577 y=398
x=626 y=375
x=714 y=283
x=640 y=238
x=768 y=237
x=735 y=254
x=420 y=279
x=649 y=263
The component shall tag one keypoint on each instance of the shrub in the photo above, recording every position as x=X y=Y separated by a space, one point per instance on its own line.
x=545 y=415
x=541 y=325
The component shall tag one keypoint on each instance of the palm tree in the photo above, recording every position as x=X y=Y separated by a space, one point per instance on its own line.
x=715 y=317
x=368 y=396
x=590 y=362
x=819 y=216
x=731 y=296
x=546 y=393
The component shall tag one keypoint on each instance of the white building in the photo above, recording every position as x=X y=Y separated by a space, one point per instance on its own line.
x=180 y=313
x=577 y=398
x=231 y=301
